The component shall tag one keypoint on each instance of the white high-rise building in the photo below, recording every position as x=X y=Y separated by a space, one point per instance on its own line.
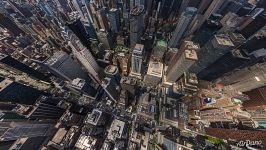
x=136 y=60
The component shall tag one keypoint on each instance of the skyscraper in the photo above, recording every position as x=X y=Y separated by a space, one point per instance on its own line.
x=111 y=88
x=252 y=24
x=85 y=57
x=245 y=79
x=219 y=45
x=10 y=63
x=136 y=24
x=136 y=60
x=79 y=30
x=114 y=20
x=105 y=38
x=63 y=66
x=182 y=61
x=183 y=23
x=102 y=18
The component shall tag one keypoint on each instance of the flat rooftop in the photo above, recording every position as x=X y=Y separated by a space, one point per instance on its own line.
x=155 y=68
x=94 y=117
x=85 y=142
x=5 y=83
x=224 y=40
x=116 y=130
x=191 y=54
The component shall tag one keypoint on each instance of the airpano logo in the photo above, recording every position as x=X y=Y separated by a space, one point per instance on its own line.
x=248 y=144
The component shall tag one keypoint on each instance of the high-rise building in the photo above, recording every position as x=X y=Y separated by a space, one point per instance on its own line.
x=154 y=74
x=18 y=93
x=182 y=61
x=159 y=50
x=205 y=33
x=7 y=23
x=111 y=88
x=7 y=62
x=226 y=63
x=114 y=20
x=85 y=57
x=212 y=51
x=257 y=98
x=112 y=72
x=183 y=23
x=64 y=66
x=96 y=118
x=102 y=19
x=79 y=30
x=136 y=60
x=16 y=130
x=207 y=8
x=47 y=108
x=105 y=38
x=136 y=24
x=252 y=24
x=245 y=79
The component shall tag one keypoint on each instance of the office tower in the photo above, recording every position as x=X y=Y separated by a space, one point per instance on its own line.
x=102 y=19
x=219 y=45
x=159 y=50
x=79 y=30
x=64 y=66
x=228 y=62
x=112 y=72
x=111 y=88
x=136 y=24
x=183 y=23
x=117 y=130
x=245 y=79
x=230 y=21
x=7 y=62
x=47 y=108
x=211 y=8
x=182 y=61
x=28 y=129
x=7 y=23
x=252 y=24
x=105 y=38
x=136 y=60
x=154 y=73
x=18 y=93
x=205 y=33
x=230 y=6
x=114 y=20
x=168 y=9
x=85 y=57
x=255 y=42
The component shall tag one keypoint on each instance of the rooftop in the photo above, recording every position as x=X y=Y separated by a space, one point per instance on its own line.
x=111 y=69
x=116 y=130
x=162 y=43
x=94 y=117
x=5 y=83
x=137 y=10
x=224 y=40
x=85 y=142
x=191 y=54
x=155 y=68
